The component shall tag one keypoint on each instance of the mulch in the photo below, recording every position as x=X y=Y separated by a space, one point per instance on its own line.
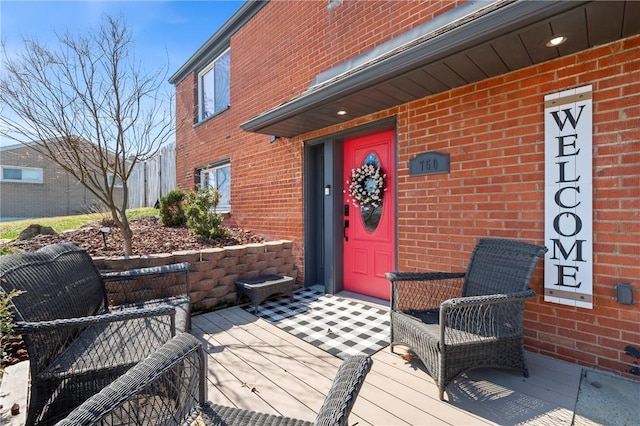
x=149 y=236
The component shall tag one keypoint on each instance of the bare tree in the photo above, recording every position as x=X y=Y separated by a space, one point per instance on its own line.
x=88 y=106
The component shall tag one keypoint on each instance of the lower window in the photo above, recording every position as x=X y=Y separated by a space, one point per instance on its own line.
x=217 y=176
x=21 y=174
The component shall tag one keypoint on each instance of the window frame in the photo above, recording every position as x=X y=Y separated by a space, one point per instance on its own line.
x=211 y=67
x=199 y=175
x=39 y=180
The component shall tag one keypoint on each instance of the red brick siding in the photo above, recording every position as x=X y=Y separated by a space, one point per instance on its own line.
x=313 y=39
x=494 y=132
x=266 y=178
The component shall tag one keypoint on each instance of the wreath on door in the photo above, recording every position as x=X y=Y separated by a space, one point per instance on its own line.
x=366 y=186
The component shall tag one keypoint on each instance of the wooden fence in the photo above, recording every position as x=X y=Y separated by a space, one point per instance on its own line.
x=153 y=178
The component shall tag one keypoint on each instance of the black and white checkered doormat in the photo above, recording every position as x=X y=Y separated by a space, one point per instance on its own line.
x=336 y=325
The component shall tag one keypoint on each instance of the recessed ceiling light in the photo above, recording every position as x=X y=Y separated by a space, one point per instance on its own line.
x=556 y=41
x=342 y=112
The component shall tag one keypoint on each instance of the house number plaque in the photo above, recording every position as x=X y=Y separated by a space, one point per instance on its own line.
x=429 y=163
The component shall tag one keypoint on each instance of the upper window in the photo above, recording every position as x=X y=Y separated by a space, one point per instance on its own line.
x=218 y=177
x=21 y=174
x=214 y=87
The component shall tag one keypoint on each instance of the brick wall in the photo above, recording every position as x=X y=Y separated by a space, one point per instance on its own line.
x=267 y=178
x=213 y=272
x=492 y=129
x=494 y=132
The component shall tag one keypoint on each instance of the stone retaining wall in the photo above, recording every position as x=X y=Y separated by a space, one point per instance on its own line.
x=213 y=271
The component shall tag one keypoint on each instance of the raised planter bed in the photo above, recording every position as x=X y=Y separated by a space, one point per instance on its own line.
x=214 y=271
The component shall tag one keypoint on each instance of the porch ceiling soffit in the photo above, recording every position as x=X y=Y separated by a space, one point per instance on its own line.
x=489 y=40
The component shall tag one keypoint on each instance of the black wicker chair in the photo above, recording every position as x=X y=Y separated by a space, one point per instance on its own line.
x=455 y=322
x=77 y=341
x=169 y=388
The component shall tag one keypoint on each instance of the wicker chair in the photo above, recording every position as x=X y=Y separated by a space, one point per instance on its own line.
x=169 y=388
x=455 y=322
x=77 y=341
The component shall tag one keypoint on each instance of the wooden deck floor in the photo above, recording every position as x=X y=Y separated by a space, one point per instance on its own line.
x=253 y=364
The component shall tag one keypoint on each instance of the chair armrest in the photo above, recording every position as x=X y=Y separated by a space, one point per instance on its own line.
x=164 y=269
x=333 y=412
x=462 y=302
x=144 y=284
x=343 y=392
x=22 y=327
x=423 y=291
x=477 y=318
x=422 y=276
x=164 y=388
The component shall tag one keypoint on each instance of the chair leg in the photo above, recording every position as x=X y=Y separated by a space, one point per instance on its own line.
x=442 y=380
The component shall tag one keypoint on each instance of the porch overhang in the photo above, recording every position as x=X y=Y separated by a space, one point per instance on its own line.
x=489 y=40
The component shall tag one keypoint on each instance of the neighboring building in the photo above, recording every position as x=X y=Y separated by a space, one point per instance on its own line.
x=482 y=126
x=33 y=186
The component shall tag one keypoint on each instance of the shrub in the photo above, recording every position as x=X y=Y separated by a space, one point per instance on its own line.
x=5 y=249
x=202 y=218
x=172 y=208
x=6 y=318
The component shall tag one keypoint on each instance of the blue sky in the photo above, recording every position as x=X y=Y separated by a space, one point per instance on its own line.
x=162 y=30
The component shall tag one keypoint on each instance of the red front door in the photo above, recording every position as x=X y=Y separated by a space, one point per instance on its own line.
x=369 y=234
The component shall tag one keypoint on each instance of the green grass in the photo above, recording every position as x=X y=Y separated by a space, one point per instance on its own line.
x=11 y=230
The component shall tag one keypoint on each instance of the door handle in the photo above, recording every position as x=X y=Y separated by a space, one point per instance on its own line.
x=346 y=225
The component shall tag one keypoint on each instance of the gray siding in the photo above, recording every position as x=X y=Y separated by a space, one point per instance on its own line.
x=59 y=194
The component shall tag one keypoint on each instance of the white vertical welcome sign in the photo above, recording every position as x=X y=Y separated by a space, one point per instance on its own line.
x=568 y=266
